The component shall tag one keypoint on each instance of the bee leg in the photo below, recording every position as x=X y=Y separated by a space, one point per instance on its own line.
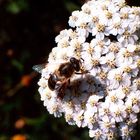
x=82 y=59
x=61 y=90
x=83 y=72
x=78 y=73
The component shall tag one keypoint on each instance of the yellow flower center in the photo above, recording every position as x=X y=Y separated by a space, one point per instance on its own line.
x=111 y=63
x=125 y=90
x=102 y=75
x=100 y=27
x=118 y=77
x=108 y=14
x=138 y=63
x=127 y=69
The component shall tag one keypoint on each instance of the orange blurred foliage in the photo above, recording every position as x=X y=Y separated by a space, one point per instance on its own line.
x=26 y=80
x=19 y=137
x=20 y=123
x=10 y=52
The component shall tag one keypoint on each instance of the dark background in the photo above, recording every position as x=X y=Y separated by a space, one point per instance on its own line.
x=27 y=32
x=27 y=35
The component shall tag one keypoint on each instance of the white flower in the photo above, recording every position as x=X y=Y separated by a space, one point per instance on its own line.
x=97 y=134
x=104 y=109
x=115 y=25
x=92 y=102
x=63 y=34
x=125 y=131
x=118 y=112
x=104 y=93
x=134 y=98
x=100 y=46
x=73 y=18
x=124 y=56
x=90 y=118
x=114 y=98
x=99 y=30
x=69 y=118
x=108 y=61
x=53 y=107
x=107 y=123
x=127 y=37
x=116 y=78
x=79 y=118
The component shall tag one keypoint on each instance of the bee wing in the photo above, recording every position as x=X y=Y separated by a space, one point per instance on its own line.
x=50 y=66
x=39 y=67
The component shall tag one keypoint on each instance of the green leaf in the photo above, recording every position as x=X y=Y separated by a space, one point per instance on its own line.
x=3 y=137
x=70 y=6
x=17 y=6
x=17 y=64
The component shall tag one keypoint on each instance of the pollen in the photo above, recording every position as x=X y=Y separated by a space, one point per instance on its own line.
x=92 y=120
x=103 y=75
x=95 y=19
x=106 y=110
x=68 y=117
x=107 y=124
x=97 y=135
x=83 y=105
x=127 y=69
x=137 y=49
x=126 y=90
x=113 y=99
x=118 y=77
x=129 y=109
x=101 y=44
x=90 y=50
x=108 y=14
x=70 y=104
x=138 y=63
x=138 y=82
x=113 y=48
x=95 y=62
x=104 y=7
x=135 y=101
x=73 y=34
x=92 y=103
x=127 y=54
x=54 y=108
x=117 y=113
x=87 y=11
x=124 y=15
x=126 y=34
x=100 y=27
x=111 y=63
x=136 y=12
x=65 y=44
x=80 y=117
x=117 y=25
x=83 y=26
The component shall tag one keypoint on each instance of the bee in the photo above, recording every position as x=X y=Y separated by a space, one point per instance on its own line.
x=60 y=78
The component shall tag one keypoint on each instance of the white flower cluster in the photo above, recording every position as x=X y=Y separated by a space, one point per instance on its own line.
x=104 y=36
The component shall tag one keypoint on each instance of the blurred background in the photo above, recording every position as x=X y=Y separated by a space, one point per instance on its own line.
x=27 y=32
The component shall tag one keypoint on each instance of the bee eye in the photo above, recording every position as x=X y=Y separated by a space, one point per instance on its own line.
x=73 y=60
x=75 y=63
